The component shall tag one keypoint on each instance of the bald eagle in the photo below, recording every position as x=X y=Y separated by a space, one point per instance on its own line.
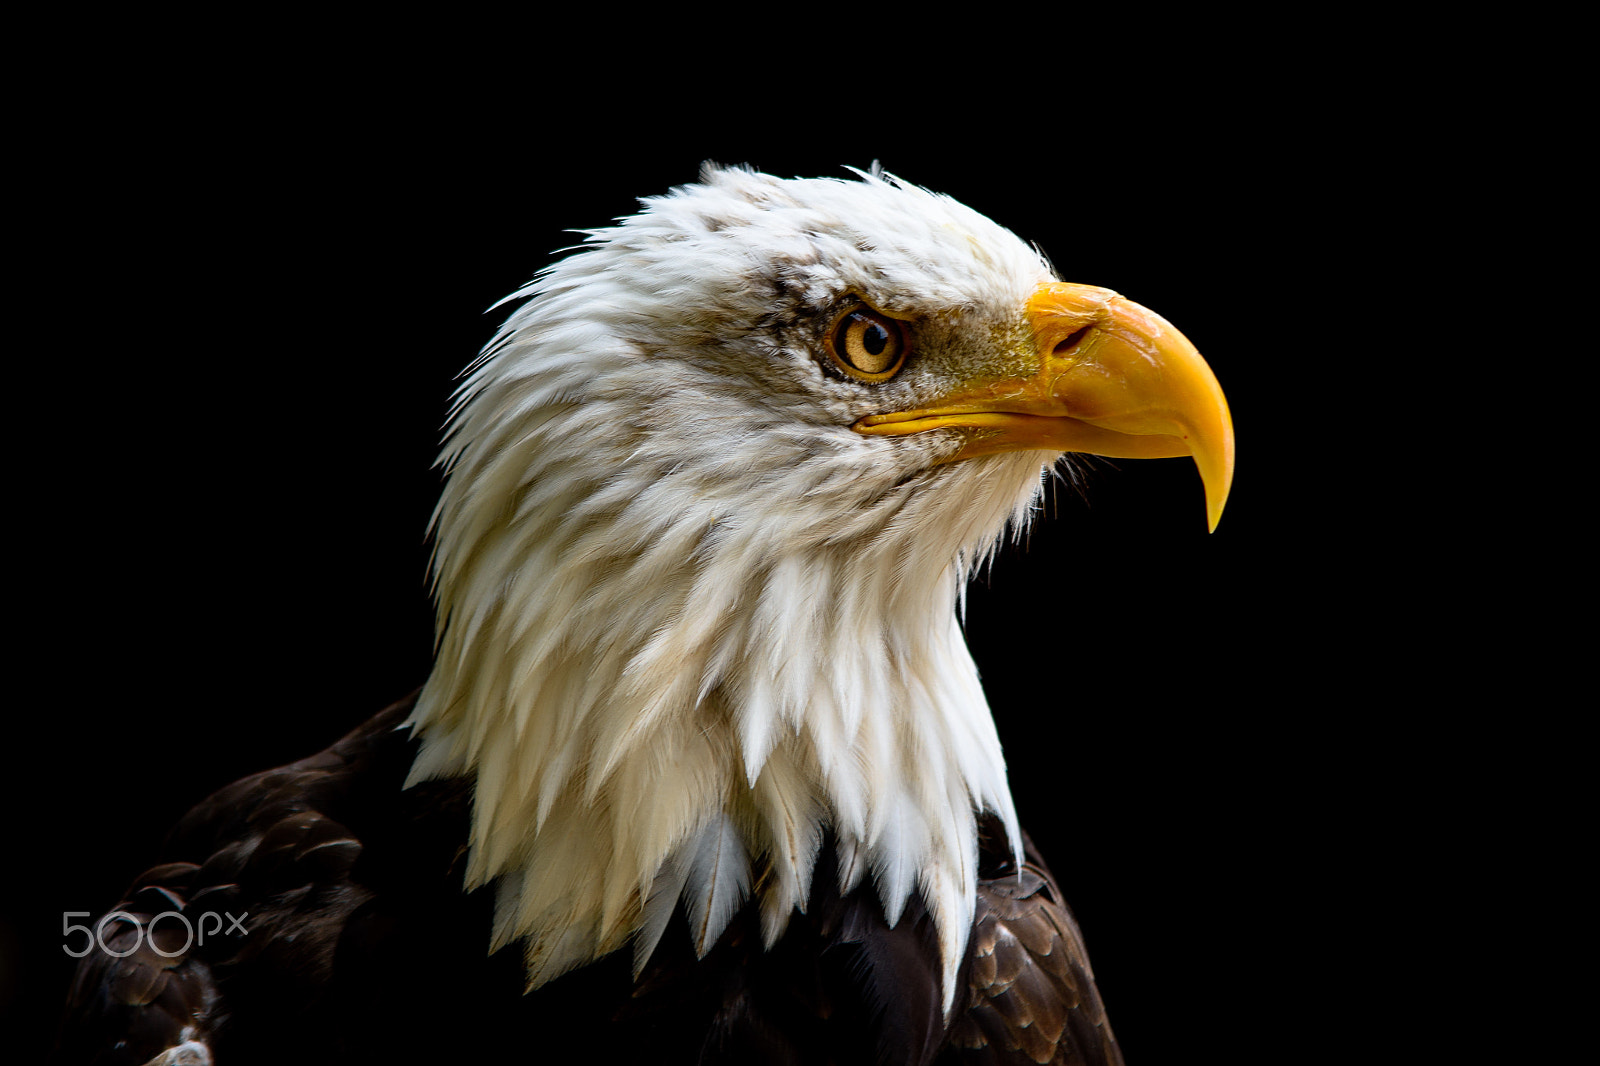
x=703 y=747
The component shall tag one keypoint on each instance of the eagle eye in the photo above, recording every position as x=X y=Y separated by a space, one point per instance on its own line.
x=868 y=345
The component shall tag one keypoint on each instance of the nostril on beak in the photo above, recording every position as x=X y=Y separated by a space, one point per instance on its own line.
x=1072 y=339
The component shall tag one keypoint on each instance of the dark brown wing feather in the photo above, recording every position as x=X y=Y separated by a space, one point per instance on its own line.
x=1031 y=993
x=283 y=878
x=147 y=993
x=359 y=944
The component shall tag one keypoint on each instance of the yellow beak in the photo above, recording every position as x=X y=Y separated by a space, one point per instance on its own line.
x=1112 y=378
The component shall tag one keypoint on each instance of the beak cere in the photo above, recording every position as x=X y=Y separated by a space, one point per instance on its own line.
x=1113 y=378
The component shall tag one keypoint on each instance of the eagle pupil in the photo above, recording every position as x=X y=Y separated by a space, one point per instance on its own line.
x=874 y=339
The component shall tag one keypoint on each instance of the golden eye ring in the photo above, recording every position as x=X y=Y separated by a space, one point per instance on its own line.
x=868 y=345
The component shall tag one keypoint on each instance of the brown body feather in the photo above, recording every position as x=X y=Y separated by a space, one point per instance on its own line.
x=359 y=942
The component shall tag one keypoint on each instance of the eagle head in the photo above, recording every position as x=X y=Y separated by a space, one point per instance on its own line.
x=714 y=491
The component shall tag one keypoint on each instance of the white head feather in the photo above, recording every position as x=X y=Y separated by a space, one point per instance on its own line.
x=689 y=620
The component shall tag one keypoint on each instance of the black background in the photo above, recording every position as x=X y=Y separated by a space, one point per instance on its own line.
x=253 y=293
